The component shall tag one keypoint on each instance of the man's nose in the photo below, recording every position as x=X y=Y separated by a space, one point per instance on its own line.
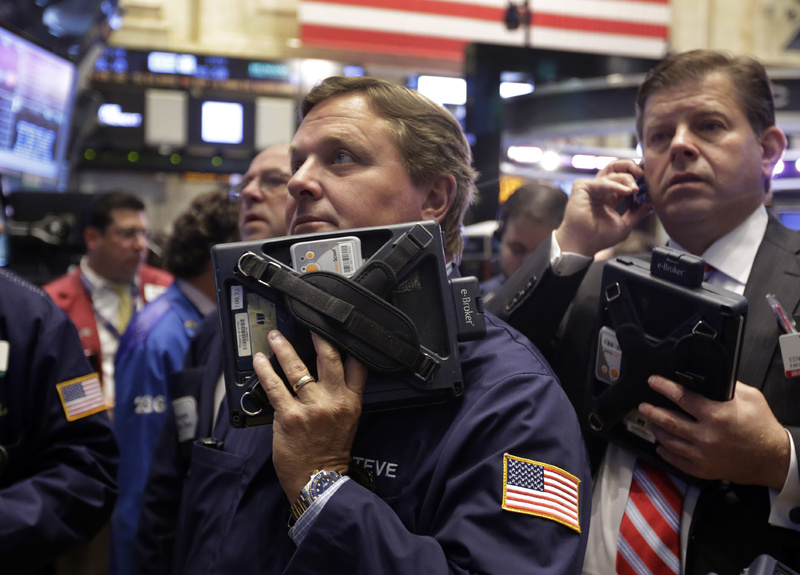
x=683 y=144
x=141 y=241
x=306 y=181
x=251 y=193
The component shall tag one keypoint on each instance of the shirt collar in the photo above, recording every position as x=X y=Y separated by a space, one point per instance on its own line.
x=734 y=253
x=198 y=299
x=96 y=281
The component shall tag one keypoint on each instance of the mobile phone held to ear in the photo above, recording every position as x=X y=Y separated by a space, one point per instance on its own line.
x=640 y=196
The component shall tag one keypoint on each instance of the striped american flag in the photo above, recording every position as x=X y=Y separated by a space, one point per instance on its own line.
x=81 y=396
x=442 y=28
x=541 y=489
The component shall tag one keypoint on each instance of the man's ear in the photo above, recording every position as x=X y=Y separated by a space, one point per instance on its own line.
x=441 y=193
x=773 y=144
x=90 y=235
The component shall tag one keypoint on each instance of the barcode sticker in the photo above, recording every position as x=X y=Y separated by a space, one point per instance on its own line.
x=346 y=257
x=242 y=334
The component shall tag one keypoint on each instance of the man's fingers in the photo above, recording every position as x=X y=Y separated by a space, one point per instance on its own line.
x=329 y=362
x=622 y=166
x=685 y=465
x=689 y=401
x=297 y=374
x=355 y=375
x=271 y=382
x=352 y=374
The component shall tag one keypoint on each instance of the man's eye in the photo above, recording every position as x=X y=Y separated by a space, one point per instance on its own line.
x=657 y=137
x=343 y=158
x=273 y=182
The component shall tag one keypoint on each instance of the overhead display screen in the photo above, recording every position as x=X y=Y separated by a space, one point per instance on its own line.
x=36 y=91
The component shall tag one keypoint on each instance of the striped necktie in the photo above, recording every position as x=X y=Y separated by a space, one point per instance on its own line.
x=649 y=537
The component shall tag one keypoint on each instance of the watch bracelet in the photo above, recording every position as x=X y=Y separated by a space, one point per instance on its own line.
x=355 y=472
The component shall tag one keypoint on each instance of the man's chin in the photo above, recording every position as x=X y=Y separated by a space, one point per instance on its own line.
x=126 y=275
x=315 y=227
x=693 y=211
x=255 y=230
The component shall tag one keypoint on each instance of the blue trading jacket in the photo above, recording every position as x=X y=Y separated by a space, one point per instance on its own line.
x=437 y=506
x=58 y=488
x=151 y=350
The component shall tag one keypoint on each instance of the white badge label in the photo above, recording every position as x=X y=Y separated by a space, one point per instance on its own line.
x=185 y=417
x=609 y=356
x=152 y=291
x=4 y=350
x=790 y=351
x=237 y=297
x=639 y=425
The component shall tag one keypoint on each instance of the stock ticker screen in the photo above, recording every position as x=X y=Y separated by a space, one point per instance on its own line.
x=36 y=94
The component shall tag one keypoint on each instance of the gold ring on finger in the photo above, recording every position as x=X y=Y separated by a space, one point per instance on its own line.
x=302 y=381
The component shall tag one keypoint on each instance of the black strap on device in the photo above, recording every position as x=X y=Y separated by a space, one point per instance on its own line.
x=380 y=276
x=692 y=355
x=346 y=312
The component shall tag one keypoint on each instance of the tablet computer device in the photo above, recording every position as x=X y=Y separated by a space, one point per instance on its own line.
x=660 y=318
x=381 y=294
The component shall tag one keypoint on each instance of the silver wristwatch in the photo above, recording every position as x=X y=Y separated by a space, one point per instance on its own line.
x=316 y=486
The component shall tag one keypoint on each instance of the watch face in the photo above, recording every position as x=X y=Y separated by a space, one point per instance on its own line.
x=321 y=482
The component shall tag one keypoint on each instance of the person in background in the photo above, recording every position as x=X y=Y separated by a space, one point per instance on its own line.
x=100 y=296
x=152 y=349
x=706 y=123
x=527 y=218
x=111 y=282
x=198 y=388
x=262 y=193
x=371 y=153
x=58 y=457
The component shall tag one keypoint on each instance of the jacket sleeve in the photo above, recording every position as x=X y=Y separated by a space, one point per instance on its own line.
x=142 y=372
x=535 y=299
x=59 y=488
x=155 y=535
x=163 y=490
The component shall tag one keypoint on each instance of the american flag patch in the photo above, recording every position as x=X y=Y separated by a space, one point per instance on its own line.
x=540 y=489
x=81 y=396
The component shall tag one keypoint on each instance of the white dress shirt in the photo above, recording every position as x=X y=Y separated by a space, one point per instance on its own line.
x=105 y=302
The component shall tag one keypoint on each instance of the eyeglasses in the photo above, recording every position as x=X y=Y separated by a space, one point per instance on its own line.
x=266 y=185
x=129 y=234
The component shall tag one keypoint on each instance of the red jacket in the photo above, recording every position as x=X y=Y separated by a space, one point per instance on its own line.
x=69 y=293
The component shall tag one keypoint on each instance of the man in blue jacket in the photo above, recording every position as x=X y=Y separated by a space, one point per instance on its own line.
x=495 y=481
x=153 y=348
x=58 y=458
